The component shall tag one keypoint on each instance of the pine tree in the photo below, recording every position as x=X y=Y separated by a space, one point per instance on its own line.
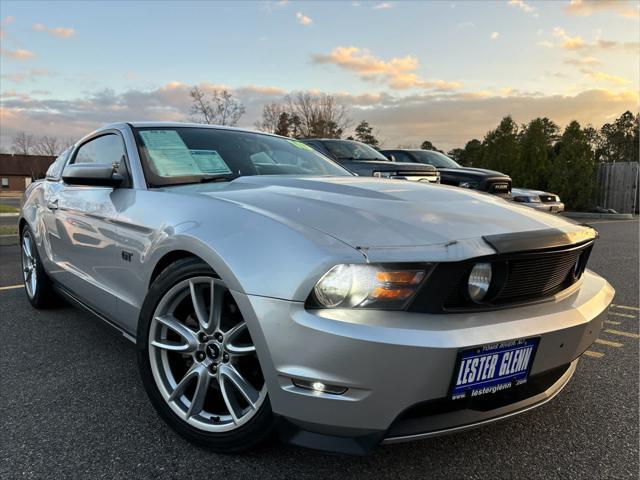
x=536 y=150
x=364 y=134
x=572 y=175
x=501 y=149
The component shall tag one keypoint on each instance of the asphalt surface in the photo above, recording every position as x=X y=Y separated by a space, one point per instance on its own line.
x=72 y=406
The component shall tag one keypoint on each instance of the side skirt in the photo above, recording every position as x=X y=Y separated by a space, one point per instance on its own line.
x=79 y=303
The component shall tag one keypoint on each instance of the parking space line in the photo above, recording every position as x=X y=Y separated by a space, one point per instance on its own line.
x=608 y=343
x=625 y=315
x=625 y=307
x=622 y=334
x=11 y=287
x=611 y=322
x=592 y=354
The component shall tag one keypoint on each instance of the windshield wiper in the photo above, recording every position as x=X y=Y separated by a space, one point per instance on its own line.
x=361 y=158
x=216 y=178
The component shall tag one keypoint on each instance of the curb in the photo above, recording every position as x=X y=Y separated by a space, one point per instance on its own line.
x=609 y=216
x=6 y=240
x=9 y=214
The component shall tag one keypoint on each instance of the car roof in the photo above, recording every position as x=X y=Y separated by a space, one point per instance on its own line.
x=328 y=140
x=147 y=124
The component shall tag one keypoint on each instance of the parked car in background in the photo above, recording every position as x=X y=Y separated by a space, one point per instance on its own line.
x=364 y=160
x=543 y=201
x=268 y=289
x=451 y=173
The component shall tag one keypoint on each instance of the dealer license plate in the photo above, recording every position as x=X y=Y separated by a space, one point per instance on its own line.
x=493 y=368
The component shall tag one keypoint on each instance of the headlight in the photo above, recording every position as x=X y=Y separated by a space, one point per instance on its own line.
x=473 y=185
x=366 y=286
x=479 y=281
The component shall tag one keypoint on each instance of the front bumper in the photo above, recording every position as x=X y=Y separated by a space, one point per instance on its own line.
x=551 y=207
x=395 y=362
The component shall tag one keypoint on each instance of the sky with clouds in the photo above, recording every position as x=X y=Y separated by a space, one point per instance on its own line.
x=442 y=70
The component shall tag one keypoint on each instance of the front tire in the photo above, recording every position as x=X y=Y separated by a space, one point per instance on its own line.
x=37 y=283
x=198 y=362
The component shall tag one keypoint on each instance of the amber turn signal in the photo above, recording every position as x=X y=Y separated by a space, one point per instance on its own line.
x=411 y=277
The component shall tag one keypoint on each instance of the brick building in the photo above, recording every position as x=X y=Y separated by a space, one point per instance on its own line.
x=18 y=171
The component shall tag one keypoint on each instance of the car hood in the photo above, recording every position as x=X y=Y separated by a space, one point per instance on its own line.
x=366 y=212
x=473 y=172
x=528 y=191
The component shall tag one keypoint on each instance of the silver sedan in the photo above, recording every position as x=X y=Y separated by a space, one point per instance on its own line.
x=543 y=201
x=269 y=290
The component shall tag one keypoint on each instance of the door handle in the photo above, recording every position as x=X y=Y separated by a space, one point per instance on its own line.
x=52 y=204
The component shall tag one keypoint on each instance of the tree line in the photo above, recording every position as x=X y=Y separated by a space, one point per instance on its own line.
x=539 y=155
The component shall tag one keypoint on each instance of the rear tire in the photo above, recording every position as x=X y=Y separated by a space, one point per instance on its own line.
x=202 y=376
x=38 y=285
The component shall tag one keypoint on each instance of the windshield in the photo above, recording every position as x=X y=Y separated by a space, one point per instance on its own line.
x=178 y=155
x=351 y=150
x=436 y=159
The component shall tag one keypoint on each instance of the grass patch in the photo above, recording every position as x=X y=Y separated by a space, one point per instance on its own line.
x=8 y=229
x=8 y=209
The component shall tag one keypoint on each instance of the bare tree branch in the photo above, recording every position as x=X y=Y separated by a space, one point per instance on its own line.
x=46 y=145
x=23 y=144
x=271 y=114
x=219 y=108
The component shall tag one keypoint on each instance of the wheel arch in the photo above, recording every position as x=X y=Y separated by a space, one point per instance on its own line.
x=169 y=258
x=21 y=225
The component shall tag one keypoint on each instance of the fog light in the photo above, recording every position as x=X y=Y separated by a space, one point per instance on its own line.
x=479 y=281
x=319 y=387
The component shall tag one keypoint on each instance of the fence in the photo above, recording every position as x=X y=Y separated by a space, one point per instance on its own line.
x=618 y=186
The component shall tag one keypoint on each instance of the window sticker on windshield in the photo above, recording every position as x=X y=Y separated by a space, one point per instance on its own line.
x=210 y=162
x=301 y=145
x=162 y=139
x=168 y=153
x=173 y=162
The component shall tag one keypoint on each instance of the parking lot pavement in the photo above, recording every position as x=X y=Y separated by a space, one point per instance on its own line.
x=72 y=405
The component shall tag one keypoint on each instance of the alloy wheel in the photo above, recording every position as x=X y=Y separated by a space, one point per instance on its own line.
x=202 y=357
x=29 y=271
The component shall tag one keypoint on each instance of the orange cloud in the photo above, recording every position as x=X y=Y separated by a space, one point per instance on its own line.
x=606 y=77
x=584 y=8
x=60 y=32
x=525 y=7
x=303 y=19
x=568 y=42
x=19 y=54
x=398 y=73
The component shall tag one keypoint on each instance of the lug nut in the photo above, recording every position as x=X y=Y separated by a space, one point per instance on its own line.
x=203 y=337
x=219 y=337
x=200 y=356
x=213 y=368
x=226 y=357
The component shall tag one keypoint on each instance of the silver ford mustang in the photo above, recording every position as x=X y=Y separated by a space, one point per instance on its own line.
x=270 y=290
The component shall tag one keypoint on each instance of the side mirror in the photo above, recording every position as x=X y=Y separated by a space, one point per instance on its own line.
x=391 y=157
x=95 y=174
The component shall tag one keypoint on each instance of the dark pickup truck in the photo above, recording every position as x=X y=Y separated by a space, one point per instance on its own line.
x=453 y=174
x=363 y=160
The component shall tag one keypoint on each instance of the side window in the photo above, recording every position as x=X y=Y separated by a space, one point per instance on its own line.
x=402 y=157
x=55 y=169
x=105 y=149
